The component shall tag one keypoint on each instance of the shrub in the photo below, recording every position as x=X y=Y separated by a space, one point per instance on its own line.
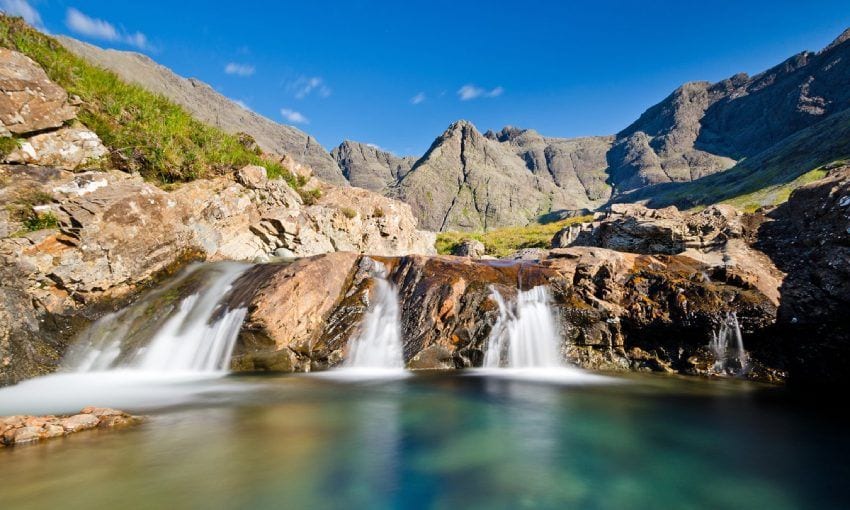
x=310 y=196
x=348 y=212
x=378 y=212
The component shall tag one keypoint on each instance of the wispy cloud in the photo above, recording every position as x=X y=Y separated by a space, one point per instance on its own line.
x=23 y=9
x=470 y=91
x=418 y=98
x=239 y=69
x=243 y=104
x=101 y=29
x=304 y=86
x=293 y=116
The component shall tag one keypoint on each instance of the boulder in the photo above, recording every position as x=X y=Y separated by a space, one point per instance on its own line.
x=29 y=101
x=470 y=248
x=252 y=177
x=80 y=422
x=69 y=148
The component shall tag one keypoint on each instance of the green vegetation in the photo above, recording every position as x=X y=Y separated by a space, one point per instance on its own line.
x=144 y=131
x=378 y=213
x=310 y=196
x=774 y=195
x=504 y=241
x=7 y=145
x=22 y=209
x=348 y=212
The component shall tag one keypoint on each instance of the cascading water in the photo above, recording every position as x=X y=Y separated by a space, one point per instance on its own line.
x=525 y=335
x=727 y=344
x=197 y=336
x=378 y=345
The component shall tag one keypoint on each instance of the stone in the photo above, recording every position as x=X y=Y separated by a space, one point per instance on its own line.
x=26 y=435
x=29 y=101
x=252 y=176
x=470 y=248
x=79 y=422
x=100 y=412
x=69 y=148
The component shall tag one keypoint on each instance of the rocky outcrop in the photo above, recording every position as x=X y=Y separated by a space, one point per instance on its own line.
x=18 y=430
x=367 y=166
x=470 y=248
x=212 y=108
x=67 y=148
x=35 y=111
x=29 y=101
x=809 y=239
x=115 y=232
x=618 y=311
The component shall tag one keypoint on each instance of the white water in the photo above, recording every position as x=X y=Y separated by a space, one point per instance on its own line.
x=114 y=365
x=524 y=343
x=192 y=339
x=525 y=334
x=727 y=344
x=377 y=349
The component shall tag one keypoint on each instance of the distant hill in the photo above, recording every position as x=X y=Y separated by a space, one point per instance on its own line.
x=704 y=143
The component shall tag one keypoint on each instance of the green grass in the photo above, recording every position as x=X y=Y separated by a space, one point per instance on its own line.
x=145 y=132
x=774 y=195
x=7 y=145
x=501 y=242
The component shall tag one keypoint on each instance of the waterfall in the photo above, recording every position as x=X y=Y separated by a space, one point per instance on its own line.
x=378 y=345
x=197 y=335
x=721 y=344
x=525 y=334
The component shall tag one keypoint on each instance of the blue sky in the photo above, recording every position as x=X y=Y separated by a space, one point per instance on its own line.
x=396 y=74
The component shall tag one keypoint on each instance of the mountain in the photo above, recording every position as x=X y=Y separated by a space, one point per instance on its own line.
x=703 y=129
x=367 y=166
x=468 y=181
x=211 y=107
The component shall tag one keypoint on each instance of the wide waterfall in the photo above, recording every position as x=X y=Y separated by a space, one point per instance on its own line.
x=197 y=335
x=378 y=344
x=727 y=344
x=525 y=334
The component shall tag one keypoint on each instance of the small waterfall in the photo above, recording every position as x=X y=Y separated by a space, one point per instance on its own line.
x=378 y=345
x=728 y=347
x=525 y=334
x=197 y=336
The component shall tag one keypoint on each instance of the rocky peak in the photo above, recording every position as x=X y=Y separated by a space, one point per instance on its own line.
x=370 y=167
x=841 y=39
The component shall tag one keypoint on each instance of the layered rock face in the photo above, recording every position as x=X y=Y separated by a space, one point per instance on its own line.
x=212 y=108
x=469 y=182
x=617 y=311
x=368 y=167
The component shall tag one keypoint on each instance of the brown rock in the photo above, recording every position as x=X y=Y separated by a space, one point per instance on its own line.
x=252 y=176
x=25 y=435
x=29 y=101
x=69 y=148
x=80 y=422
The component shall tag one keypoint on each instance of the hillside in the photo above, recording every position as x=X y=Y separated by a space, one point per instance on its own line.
x=211 y=107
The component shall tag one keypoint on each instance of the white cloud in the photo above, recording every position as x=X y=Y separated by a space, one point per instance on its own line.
x=418 y=98
x=293 y=116
x=243 y=104
x=23 y=9
x=376 y=147
x=470 y=91
x=303 y=86
x=239 y=69
x=104 y=30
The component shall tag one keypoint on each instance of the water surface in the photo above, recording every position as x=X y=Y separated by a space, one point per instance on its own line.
x=434 y=441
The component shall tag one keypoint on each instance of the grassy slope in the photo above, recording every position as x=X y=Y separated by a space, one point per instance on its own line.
x=504 y=241
x=145 y=132
x=766 y=178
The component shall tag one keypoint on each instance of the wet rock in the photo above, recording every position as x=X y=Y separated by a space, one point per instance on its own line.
x=29 y=101
x=470 y=248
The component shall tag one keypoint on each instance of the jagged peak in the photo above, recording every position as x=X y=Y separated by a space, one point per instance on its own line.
x=841 y=39
x=463 y=127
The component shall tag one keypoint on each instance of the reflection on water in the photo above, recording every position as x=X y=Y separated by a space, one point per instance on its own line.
x=439 y=441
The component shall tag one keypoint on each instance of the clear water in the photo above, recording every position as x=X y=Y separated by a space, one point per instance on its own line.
x=433 y=441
